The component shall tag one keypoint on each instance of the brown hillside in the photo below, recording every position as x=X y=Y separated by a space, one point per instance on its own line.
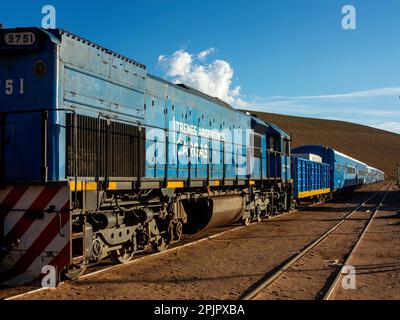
x=378 y=148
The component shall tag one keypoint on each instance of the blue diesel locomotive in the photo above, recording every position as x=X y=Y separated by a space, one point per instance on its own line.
x=99 y=158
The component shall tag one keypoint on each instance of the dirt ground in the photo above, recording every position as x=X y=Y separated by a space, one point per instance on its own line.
x=218 y=268
x=377 y=259
x=311 y=276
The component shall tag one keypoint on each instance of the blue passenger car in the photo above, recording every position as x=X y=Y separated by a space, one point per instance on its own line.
x=346 y=172
x=374 y=175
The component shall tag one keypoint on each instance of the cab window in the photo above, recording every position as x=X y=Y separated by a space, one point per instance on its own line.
x=256 y=140
x=286 y=146
x=274 y=143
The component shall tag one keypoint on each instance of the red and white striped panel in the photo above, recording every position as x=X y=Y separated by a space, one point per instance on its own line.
x=33 y=237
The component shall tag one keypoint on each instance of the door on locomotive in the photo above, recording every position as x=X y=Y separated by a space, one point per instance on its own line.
x=259 y=147
x=278 y=153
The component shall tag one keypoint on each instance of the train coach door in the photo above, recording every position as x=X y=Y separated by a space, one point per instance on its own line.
x=357 y=181
x=286 y=151
x=272 y=146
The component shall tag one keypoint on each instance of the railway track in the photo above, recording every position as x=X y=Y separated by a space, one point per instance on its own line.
x=327 y=291
x=96 y=271
x=186 y=243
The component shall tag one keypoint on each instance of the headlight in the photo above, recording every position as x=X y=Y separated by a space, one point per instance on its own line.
x=39 y=68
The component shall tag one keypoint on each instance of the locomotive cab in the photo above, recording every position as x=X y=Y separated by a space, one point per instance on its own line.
x=27 y=86
x=279 y=153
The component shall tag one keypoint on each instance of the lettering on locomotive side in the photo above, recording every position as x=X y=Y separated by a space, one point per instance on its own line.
x=192 y=149
x=185 y=128
x=190 y=129
x=195 y=149
x=189 y=143
x=12 y=87
x=19 y=38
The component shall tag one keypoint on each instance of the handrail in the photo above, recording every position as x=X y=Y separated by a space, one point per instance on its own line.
x=44 y=136
x=269 y=153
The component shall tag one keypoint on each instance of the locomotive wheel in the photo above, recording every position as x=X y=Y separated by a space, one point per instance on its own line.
x=161 y=244
x=177 y=231
x=246 y=221
x=258 y=214
x=97 y=250
x=75 y=272
x=123 y=255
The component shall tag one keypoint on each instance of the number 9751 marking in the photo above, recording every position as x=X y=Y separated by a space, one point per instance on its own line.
x=19 y=38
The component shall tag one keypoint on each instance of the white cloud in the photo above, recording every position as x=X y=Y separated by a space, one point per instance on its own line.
x=203 y=54
x=379 y=92
x=179 y=63
x=375 y=107
x=214 y=78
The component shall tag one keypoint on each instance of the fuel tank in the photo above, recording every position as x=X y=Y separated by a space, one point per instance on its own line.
x=212 y=212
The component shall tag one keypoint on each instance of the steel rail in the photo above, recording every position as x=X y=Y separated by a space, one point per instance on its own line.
x=259 y=286
x=331 y=290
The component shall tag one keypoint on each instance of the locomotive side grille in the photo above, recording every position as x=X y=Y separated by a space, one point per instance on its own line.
x=104 y=149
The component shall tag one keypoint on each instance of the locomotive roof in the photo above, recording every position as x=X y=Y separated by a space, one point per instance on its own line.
x=279 y=130
x=196 y=92
x=59 y=32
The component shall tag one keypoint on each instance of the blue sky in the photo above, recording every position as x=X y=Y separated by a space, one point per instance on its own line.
x=287 y=56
